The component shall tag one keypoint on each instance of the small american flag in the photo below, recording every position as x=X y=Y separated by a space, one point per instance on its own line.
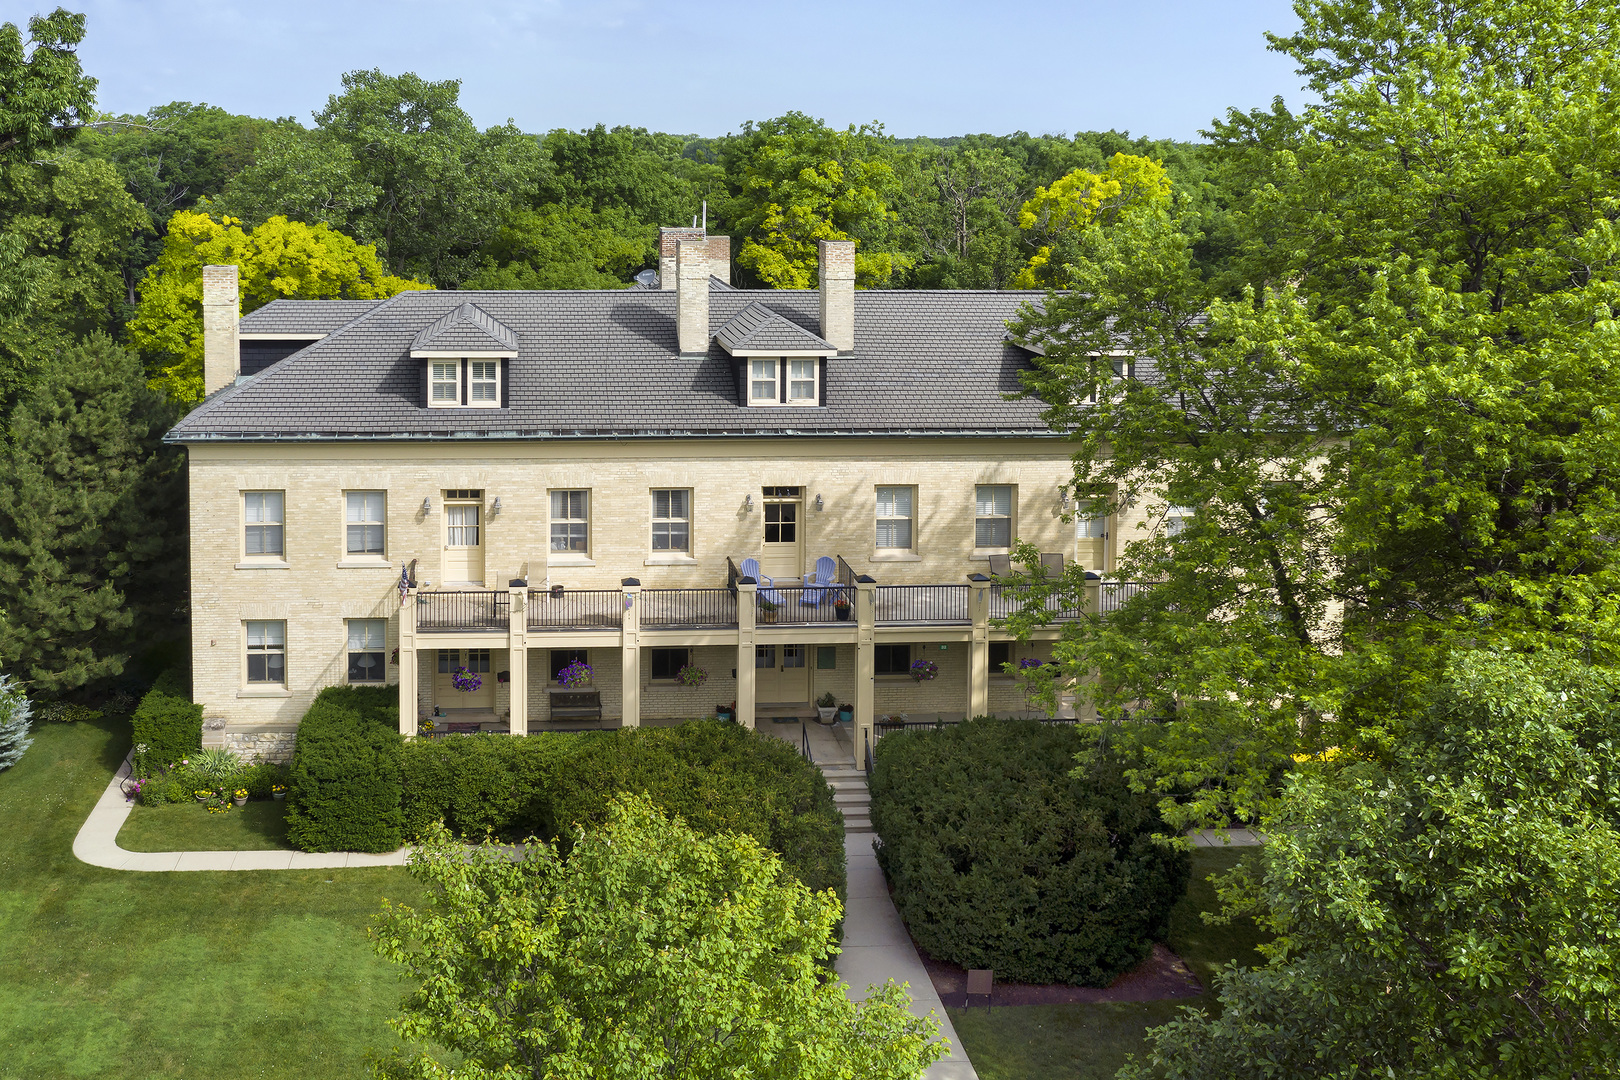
x=404 y=582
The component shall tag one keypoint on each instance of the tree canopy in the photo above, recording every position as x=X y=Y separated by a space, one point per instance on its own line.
x=651 y=951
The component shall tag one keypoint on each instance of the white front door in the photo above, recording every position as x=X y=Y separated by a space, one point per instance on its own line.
x=781 y=674
x=463 y=543
x=781 y=554
x=446 y=695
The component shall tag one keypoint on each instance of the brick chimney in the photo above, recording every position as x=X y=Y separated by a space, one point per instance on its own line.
x=720 y=258
x=669 y=238
x=838 y=293
x=692 y=296
x=222 y=311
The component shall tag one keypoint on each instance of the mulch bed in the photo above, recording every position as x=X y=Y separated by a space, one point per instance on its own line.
x=1162 y=975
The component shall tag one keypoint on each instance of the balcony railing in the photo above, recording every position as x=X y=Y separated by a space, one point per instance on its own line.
x=922 y=604
x=800 y=605
x=1111 y=596
x=446 y=611
x=576 y=609
x=695 y=608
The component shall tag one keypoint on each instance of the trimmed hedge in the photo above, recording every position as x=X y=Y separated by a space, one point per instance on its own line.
x=344 y=790
x=167 y=723
x=1000 y=858
x=717 y=776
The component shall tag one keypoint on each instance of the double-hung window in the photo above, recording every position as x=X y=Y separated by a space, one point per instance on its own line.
x=672 y=520
x=267 y=653
x=802 y=381
x=891 y=659
x=894 y=518
x=1176 y=520
x=484 y=382
x=992 y=516
x=762 y=381
x=262 y=512
x=445 y=382
x=364 y=522
x=368 y=662
x=570 y=521
x=667 y=663
x=1121 y=367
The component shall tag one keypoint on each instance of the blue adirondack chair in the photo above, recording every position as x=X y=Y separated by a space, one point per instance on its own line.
x=819 y=582
x=767 y=585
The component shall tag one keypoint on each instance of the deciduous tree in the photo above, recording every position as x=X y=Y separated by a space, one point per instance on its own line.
x=278 y=259
x=564 y=248
x=652 y=951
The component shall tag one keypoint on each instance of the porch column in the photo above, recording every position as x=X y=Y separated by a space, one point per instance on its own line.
x=517 y=658
x=979 y=656
x=630 y=653
x=747 y=597
x=865 y=677
x=407 y=664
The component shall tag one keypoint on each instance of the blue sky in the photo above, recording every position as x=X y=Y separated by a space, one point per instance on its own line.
x=1156 y=67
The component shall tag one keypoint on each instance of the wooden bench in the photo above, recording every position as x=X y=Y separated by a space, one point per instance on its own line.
x=576 y=705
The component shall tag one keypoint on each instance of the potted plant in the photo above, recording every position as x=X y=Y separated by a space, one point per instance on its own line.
x=575 y=675
x=691 y=675
x=726 y=712
x=826 y=707
x=239 y=796
x=841 y=607
x=924 y=670
x=846 y=713
x=767 y=610
x=278 y=791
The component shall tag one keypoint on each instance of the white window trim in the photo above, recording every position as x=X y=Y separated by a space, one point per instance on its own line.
x=455 y=403
x=783 y=378
x=356 y=558
x=666 y=556
x=895 y=554
x=383 y=649
x=571 y=558
x=499 y=388
x=258 y=562
x=1012 y=521
x=1124 y=367
x=263 y=689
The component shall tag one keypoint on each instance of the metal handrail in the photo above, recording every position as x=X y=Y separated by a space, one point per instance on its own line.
x=798 y=605
x=441 y=611
x=689 y=607
x=575 y=609
x=804 y=742
x=922 y=604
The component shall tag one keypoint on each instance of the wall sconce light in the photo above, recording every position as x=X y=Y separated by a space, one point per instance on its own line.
x=495 y=509
x=427 y=506
x=818 y=502
x=748 y=503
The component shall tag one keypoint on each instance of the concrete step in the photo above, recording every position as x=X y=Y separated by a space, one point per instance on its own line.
x=857 y=824
x=847 y=783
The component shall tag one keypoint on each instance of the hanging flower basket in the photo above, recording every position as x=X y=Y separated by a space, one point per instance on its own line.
x=1028 y=663
x=578 y=673
x=924 y=670
x=465 y=680
x=691 y=675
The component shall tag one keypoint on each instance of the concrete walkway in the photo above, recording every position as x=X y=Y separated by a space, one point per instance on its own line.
x=97 y=844
x=877 y=948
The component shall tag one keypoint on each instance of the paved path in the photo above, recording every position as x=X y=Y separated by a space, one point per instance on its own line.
x=877 y=947
x=1234 y=838
x=97 y=844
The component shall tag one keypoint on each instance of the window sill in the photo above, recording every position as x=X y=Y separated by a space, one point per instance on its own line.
x=983 y=554
x=267 y=692
x=663 y=682
x=365 y=564
x=669 y=560
x=895 y=556
x=265 y=565
x=893 y=680
x=563 y=558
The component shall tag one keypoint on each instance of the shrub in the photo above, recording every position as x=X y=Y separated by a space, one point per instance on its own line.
x=66 y=712
x=716 y=776
x=260 y=777
x=1004 y=855
x=344 y=789
x=14 y=716
x=167 y=724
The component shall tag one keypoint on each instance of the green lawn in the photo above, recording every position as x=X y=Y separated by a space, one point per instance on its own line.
x=1090 y=1042
x=190 y=827
x=111 y=974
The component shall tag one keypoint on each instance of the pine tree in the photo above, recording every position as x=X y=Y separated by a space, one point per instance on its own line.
x=91 y=518
x=14 y=714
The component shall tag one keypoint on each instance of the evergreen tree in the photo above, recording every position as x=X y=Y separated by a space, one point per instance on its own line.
x=14 y=714
x=91 y=518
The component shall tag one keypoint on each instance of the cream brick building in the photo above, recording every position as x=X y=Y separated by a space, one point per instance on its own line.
x=498 y=483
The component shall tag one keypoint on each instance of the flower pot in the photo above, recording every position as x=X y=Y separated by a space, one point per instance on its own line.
x=203 y=797
x=826 y=715
x=767 y=616
x=841 y=614
x=725 y=714
x=278 y=795
x=240 y=800
x=845 y=715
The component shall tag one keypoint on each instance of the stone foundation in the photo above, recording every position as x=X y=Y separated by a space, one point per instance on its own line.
x=274 y=746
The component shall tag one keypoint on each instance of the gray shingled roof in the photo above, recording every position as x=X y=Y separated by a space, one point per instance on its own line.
x=304 y=316
x=756 y=328
x=468 y=327
x=606 y=364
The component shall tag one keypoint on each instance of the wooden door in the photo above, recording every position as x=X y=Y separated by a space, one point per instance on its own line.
x=477 y=661
x=1091 y=536
x=463 y=543
x=781 y=674
x=781 y=555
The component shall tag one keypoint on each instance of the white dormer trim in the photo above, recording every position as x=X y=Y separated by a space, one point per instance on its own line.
x=798 y=353
x=280 y=337
x=462 y=354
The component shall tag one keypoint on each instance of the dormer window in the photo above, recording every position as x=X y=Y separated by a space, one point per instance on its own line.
x=1123 y=368
x=784 y=380
x=484 y=382
x=446 y=383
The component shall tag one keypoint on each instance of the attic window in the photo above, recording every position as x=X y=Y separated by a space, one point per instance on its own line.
x=472 y=383
x=447 y=383
x=784 y=380
x=1123 y=368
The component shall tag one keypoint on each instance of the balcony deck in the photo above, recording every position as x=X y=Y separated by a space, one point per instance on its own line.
x=558 y=609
